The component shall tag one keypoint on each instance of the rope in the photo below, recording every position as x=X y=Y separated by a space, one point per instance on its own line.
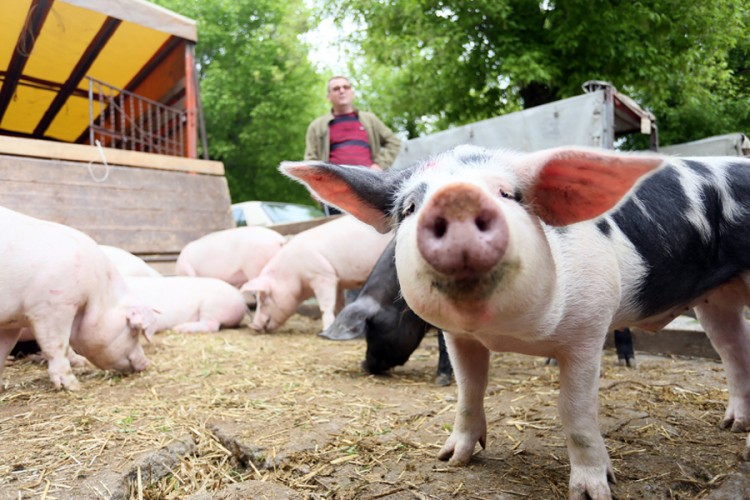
x=104 y=160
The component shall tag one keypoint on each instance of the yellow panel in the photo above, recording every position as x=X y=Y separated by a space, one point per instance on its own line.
x=27 y=107
x=72 y=120
x=12 y=17
x=65 y=35
x=127 y=52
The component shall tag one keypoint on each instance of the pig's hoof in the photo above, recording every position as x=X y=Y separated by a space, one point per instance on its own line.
x=68 y=382
x=628 y=362
x=453 y=459
x=736 y=424
x=591 y=482
x=583 y=493
x=458 y=449
x=36 y=358
x=443 y=379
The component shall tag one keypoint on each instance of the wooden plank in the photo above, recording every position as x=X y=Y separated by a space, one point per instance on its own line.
x=36 y=148
x=293 y=228
x=143 y=211
x=143 y=14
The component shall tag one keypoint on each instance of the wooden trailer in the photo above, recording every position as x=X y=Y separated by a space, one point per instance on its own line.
x=101 y=124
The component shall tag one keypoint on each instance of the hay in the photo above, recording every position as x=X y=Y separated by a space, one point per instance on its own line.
x=294 y=410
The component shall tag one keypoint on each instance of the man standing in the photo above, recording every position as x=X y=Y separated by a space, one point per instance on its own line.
x=348 y=136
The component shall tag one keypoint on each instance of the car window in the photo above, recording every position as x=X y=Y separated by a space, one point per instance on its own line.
x=285 y=213
x=239 y=216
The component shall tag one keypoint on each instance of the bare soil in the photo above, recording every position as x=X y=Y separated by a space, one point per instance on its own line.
x=290 y=415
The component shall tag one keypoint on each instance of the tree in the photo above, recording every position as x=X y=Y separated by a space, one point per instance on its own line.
x=259 y=92
x=451 y=62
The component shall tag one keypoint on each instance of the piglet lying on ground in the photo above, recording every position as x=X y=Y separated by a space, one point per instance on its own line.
x=322 y=261
x=391 y=329
x=543 y=253
x=127 y=263
x=58 y=282
x=232 y=255
x=190 y=304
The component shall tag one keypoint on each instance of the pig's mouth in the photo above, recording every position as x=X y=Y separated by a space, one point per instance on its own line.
x=467 y=286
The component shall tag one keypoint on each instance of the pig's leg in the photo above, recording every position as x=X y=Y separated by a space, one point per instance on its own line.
x=722 y=318
x=444 y=369
x=624 y=347
x=326 y=292
x=204 y=325
x=8 y=339
x=470 y=367
x=76 y=359
x=340 y=300
x=52 y=333
x=578 y=407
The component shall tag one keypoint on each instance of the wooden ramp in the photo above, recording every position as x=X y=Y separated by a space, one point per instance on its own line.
x=151 y=205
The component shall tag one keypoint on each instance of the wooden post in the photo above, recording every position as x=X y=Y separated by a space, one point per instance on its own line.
x=191 y=131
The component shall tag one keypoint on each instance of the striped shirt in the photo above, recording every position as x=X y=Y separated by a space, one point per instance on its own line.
x=349 y=143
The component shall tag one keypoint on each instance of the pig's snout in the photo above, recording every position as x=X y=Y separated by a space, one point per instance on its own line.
x=462 y=232
x=135 y=362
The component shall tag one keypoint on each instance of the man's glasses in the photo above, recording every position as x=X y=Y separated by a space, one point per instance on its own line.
x=340 y=87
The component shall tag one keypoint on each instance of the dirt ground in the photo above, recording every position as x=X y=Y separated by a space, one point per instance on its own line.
x=289 y=415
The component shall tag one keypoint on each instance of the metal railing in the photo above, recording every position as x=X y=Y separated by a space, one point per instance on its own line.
x=123 y=120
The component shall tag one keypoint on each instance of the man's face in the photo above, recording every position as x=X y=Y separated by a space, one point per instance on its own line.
x=340 y=92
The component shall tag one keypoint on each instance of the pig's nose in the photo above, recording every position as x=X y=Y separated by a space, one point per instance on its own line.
x=462 y=232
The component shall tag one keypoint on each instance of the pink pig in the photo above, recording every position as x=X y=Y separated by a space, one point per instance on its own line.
x=58 y=282
x=232 y=255
x=188 y=303
x=543 y=253
x=127 y=263
x=322 y=261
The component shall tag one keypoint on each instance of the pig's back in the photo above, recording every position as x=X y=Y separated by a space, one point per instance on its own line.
x=45 y=262
x=179 y=298
x=350 y=247
x=224 y=254
x=689 y=222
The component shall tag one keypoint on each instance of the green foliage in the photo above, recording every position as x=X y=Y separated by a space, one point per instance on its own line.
x=258 y=89
x=448 y=62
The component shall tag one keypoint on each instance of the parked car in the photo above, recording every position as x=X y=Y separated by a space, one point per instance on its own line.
x=268 y=213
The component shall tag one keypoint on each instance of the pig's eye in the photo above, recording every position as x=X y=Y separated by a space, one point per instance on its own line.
x=510 y=196
x=408 y=210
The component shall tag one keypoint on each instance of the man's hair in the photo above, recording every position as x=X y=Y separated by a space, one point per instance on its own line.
x=328 y=85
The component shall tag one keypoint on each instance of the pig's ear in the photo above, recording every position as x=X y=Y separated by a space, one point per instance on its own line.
x=565 y=186
x=361 y=192
x=257 y=285
x=142 y=319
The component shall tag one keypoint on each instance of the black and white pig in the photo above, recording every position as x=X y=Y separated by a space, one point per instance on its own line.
x=390 y=327
x=542 y=253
